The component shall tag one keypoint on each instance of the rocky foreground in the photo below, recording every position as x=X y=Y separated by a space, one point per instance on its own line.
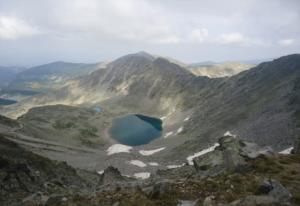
x=235 y=173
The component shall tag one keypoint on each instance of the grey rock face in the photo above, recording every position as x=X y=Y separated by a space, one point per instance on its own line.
x=111 y=175
x=296 y=149
x=232 y=155
x=279 y=192
x=272 y=193
x=157 y=190
x=254 y=200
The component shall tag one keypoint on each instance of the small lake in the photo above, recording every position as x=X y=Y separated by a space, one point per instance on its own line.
x=7 y=101
x=134 y=130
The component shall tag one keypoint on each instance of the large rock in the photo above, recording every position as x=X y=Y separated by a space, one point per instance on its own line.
x=157 y=190
x=255 y=200
x=232 y=155
x=276 y=190
x=111 y=175
x=270 y=192
x=296 y=149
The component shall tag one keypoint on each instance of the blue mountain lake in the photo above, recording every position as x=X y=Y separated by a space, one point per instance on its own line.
x=134 y=130
x=7 y=101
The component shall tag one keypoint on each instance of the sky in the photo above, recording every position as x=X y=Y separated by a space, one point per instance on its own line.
x=34 y=32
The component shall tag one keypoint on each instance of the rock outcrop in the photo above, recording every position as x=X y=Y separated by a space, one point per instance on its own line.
x=232 y=156
x=111 y=175
x=23 y=174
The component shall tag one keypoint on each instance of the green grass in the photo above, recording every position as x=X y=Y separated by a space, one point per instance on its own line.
x=59 y=124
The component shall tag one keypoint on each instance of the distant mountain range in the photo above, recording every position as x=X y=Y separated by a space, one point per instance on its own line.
x=49 y=76
x=7 y=74
x=250 y=103
x=208 y=129
x=215 y=70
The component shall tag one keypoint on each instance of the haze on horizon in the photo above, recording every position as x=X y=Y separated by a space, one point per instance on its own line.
x=34 y=32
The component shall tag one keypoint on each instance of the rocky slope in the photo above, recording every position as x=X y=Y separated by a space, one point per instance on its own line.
x=216 y=70
x=260 y=104
x=235 y=173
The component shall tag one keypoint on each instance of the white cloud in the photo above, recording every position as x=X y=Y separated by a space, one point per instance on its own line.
x=233 y=38
x=198 y=35
x=14 y=28
x=134 y=20
x=286 y=42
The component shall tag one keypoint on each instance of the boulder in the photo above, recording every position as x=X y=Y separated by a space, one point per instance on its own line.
x=272 y=193
x=231 y=155
x=255 y=200
x=279 y=192
x=111 y=175
x=55 y=200
x=296 y=149
x=157 y=190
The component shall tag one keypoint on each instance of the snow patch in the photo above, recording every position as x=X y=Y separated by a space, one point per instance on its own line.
x=118 y=148
x=287 y=151
x=100 y=172
x=228 y=133
x=175 y=166
x=142 y=175
x=186 y=119
x=168 y=134
x=137 y=163
x=150 y=152
x=179 y=130
x=153 y=164
x=163 y=118
x=210 y=149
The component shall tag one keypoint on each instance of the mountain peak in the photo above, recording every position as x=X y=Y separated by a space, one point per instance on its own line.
x=143 y=54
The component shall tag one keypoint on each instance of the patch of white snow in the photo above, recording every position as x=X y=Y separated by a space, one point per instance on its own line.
x=100 y=172
x=153 y=164
x=150 y=152
x=186 y=119
x=174 y=166
x=210 y=149
x=228 y=133
x=142 y=175
x=137 y=163
x=118 y=148
x=168 y=134
x=179 y=130
x=163 y=118
x=286 y=151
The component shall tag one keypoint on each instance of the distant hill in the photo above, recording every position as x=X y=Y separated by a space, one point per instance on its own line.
x=260 y=104
x=7 y=74
x=216 y=70
x=49 y=76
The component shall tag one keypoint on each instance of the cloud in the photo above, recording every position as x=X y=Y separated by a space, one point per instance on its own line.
x=133 y=20
x=198 y=35
x=286 y=42
x=233 y=38
x=13 y=28
x=93 y=30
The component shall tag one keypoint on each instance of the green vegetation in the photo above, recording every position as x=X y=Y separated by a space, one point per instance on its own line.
x=88 y=132
x=59 y=124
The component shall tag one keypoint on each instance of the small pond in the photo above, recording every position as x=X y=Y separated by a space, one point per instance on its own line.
x=134 y=130
x=7 y=101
